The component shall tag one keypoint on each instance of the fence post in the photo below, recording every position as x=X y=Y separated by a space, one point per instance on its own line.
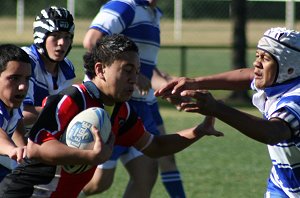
x=20 y=16
x=182 y=60
x=290 y=14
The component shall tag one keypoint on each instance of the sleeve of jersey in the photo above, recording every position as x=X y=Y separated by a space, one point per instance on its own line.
x=54 y=119
x=290 y=114
x=29 y=99
x=129 y=133
x=114 y=17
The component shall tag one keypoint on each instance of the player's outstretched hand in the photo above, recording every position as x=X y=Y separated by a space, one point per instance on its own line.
x=207 y=127
x=202 y=102
x=103 y=150
x=176 y=86
x=177 y=100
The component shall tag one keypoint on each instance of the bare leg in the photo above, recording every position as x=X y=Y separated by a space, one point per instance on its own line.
x=101 y=181
x=169 y=173
x=143 y=174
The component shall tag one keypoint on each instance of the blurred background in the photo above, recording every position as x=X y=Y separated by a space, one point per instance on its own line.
x=189 y=29
x=185 y=22
x=198 y=37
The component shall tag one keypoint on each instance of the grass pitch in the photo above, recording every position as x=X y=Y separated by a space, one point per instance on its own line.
x=233 y=166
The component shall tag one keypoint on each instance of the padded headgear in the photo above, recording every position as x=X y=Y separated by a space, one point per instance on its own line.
x=51 y=19
x=284 y=46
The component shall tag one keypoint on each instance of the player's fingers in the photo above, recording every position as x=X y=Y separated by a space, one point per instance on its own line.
x=190 y=109
x=19 y=153
x=197 y=94
x=179 y=87
x=166 y=90
x=24 y=151
x=187 y=105
x=219 y=134
x=96 y=134
x=209 y=121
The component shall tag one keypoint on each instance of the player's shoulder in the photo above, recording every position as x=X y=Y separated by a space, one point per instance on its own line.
x=124 y=111
x=33 y=54
x=124 y=4
x=67 y=68
x=68 y=63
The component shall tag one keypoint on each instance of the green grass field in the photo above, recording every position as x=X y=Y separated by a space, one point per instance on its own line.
x=233 y=166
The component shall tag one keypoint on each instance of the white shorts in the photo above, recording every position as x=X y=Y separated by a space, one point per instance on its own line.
x=125 y=158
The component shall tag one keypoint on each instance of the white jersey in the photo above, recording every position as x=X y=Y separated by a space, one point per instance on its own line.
x=42 y=84
x=283 y=102
x=138 y=21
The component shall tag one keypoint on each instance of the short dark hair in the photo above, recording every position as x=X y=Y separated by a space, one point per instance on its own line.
x=107 y=50
x=10 y=52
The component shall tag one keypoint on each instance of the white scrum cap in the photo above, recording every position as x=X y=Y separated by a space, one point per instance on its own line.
x=284 y=46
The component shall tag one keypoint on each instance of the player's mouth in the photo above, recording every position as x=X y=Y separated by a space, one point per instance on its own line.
x=257 y=75
x=59 y=52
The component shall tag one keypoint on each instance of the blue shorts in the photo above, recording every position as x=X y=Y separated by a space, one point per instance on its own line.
x=145 y=112
x=156 y=114
x=274 y=192
x=125 y=154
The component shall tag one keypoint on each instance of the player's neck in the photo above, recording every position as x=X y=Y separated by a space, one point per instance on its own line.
x=50 y=66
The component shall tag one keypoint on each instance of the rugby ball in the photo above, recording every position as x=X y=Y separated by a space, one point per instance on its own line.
x=79 y=133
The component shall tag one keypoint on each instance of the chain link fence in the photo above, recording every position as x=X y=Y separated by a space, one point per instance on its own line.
x=204 y=22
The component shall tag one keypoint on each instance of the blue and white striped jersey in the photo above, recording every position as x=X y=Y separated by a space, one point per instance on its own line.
x=41 y=83
x=283 y=102
x=8 y=122
x=136 y=20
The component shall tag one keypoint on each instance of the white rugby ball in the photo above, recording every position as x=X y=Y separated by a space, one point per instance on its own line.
x=79 y=135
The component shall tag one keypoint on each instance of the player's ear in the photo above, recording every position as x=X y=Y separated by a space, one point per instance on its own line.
x=99 y=69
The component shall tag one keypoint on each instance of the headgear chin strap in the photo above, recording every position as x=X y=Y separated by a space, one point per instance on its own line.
x=284 y=46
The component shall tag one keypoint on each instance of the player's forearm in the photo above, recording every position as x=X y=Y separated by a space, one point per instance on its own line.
x=172 y=143
x=31 y=114
x=159 y=79
x=55 y=153
x=254 y=127
x=233 y=80
x=19 y=134
x=6 y=145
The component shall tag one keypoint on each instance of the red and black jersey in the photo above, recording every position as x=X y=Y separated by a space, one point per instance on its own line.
x=59 y=110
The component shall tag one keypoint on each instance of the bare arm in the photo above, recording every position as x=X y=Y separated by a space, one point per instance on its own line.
x=31 y=114
x=19 y=134
x=265 y=131
x=232 y=80
x=9 y=148
x=160 y=79
x=6 y=143
x=168 y=144
x=91 y=37
x=239 y=79
x=54 y=152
